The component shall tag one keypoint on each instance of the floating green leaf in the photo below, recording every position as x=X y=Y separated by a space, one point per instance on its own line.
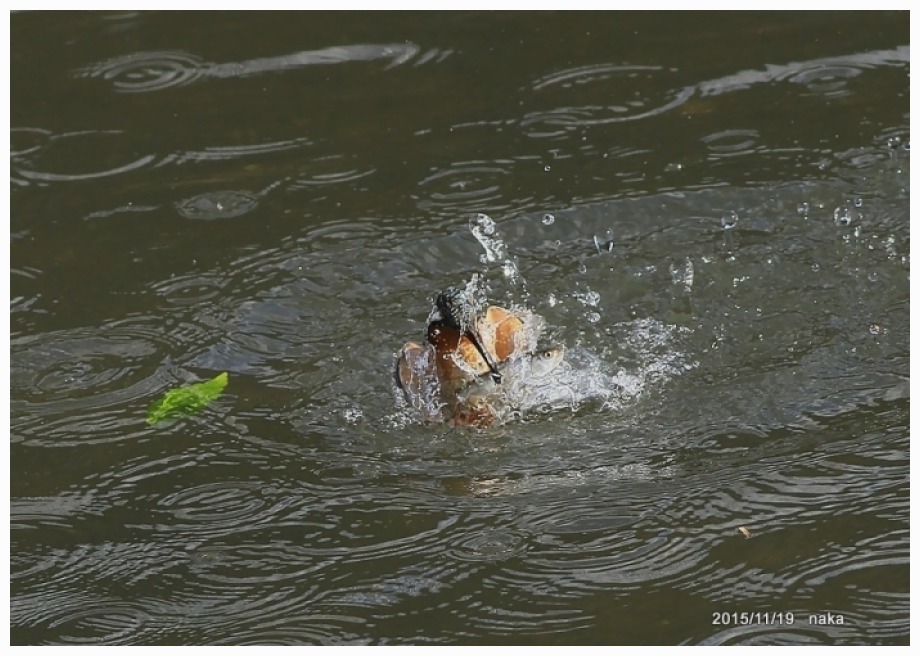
x=185 y=401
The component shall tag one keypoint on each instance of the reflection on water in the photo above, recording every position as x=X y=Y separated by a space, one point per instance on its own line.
x=155 y=71
x=717 y=234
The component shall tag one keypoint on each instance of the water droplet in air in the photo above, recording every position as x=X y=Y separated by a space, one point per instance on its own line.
x=857 y=202
x=482 y=226
x=683 y=274
x=582 y=268
x=730 y=220
x=482 y=223
x=875 y=329
x=803 y=210
x=593 y=317
x=548 y=219
x=546 y=168
x=604 y=244
x=551 y=300
x=842 y=216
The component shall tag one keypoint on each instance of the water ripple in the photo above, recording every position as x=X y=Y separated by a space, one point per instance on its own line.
x=466 y=186
x=396 y=53
x=56 y=366
x=159 y=70
x=148 y=71
x=25 y=141
x=760 y=634
x=190 y=290
x=635 y=87
x=82 y=618
x=330 y=170
x=731 y=142
x=216 y=205
x=235 y=152
x=433 y=55
x=215 y=502
x=493 y=545
x=828 y=80
x=354 y=534
x=61 y=383
x=841 y=69
x=304 y=629
x=113 y=154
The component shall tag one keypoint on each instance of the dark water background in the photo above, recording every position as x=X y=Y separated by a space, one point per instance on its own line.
x=712 y=209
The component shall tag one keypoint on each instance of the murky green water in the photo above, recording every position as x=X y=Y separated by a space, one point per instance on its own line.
x=710 y=211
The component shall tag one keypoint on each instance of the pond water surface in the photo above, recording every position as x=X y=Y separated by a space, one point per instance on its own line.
x=710 y=211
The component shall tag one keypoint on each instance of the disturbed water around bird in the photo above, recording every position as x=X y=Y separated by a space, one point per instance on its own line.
x=710 y=212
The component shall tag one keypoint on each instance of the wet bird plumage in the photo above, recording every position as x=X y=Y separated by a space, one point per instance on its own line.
x=459 y=310
x=451 y=376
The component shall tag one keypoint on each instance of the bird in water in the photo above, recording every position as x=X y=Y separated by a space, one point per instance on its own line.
x=458 y=309
x=460 y=374
x=483 y=401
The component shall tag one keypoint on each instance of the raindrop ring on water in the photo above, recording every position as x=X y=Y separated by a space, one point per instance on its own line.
x=148 y=71
x=224 y=204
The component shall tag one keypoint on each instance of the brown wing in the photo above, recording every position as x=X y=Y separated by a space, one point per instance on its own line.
x=447 y=342
x=408 y=368
x=417 y=377
x=500 y=332
x=499 y=329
